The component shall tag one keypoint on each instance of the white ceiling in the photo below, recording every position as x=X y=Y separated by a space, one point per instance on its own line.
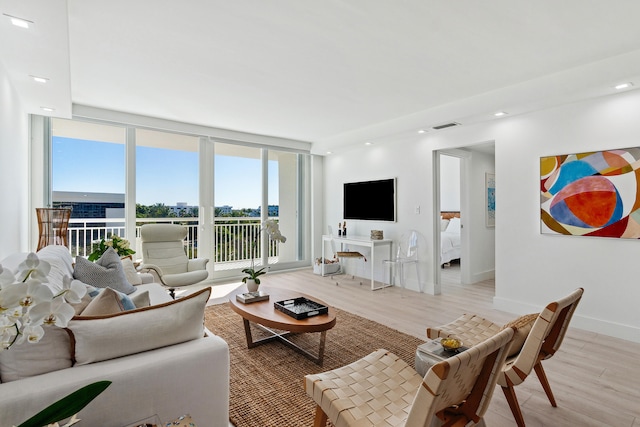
x=333 y=73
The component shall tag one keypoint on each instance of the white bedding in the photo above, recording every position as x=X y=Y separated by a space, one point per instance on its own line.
x=450 y=246
x=450 y=241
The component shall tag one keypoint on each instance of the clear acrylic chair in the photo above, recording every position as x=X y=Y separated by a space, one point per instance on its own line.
x=406 y=254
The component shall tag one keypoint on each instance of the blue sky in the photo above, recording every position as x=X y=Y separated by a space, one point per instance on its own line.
x=163 y=176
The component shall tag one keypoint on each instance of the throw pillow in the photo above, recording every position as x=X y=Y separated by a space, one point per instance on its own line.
x=141 y=299
x=107 y=271
x=130 y=272
x=84 y=302
x=106 y=301
x=523 y=325
x=24 y=360
x=128 y=332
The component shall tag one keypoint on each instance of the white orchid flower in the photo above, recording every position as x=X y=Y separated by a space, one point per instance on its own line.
x=32 y=334
x=6 y=336
x=56 y=312
x=33 y=268
x=72 y=290
x=14 y=315
x=26 y=294
x=6 y=276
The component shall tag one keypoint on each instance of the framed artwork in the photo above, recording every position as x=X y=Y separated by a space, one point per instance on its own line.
x=591 y=194
x=490 y=195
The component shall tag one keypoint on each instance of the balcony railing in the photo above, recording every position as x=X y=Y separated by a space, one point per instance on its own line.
x=234 y=238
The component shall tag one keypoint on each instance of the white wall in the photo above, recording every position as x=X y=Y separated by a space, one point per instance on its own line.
x=449 y=183
x=410 y=164
x=482 y=239
x=14 y=171
x=531 y=269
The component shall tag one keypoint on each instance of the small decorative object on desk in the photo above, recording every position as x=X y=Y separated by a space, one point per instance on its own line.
x=182 y=421
x=376 y=235
x=249 y=297
x=300 y=308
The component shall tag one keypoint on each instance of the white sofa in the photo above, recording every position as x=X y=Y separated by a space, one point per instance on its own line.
x=190 y=377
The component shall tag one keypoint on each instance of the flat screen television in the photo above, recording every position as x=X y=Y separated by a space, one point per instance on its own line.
x=370 y=200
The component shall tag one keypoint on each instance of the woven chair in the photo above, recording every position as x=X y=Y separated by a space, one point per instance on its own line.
x=382 y=390
x=538 y=337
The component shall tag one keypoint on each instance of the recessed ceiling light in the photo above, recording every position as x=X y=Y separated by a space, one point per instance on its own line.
x=39 y=79
x=500 y=114
x=19 y=22
x=623 y=86
x=329 y=152
x=421 y=131
x=368 y=143
x=48 y=109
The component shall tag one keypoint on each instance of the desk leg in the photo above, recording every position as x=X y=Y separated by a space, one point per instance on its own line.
x=373 y=263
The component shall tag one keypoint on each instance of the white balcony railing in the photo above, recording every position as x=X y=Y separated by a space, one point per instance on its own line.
x=234 y=238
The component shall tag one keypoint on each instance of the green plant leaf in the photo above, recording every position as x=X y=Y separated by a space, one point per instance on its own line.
x=67 y=406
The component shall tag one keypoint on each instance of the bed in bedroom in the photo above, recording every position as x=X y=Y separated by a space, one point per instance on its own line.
x=449 y=237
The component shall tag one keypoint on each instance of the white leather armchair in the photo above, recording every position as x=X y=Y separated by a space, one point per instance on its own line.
x=163 y=253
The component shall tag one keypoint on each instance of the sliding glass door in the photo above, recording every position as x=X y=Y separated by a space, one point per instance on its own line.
x=119 y=177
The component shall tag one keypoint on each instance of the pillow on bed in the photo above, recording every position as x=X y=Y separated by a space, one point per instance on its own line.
x=454 y=225
x=443 y=224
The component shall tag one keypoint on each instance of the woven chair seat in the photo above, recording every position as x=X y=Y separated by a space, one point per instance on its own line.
x=468 y=328
x=377 y=390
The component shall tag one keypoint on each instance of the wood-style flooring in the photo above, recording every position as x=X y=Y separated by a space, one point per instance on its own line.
x=595 y=378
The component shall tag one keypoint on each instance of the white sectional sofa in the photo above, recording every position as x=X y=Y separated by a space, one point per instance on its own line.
x=160 y=359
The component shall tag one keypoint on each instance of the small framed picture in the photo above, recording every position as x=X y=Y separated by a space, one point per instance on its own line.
x=490 y=195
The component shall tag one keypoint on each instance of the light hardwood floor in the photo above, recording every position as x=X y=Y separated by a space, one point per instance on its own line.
x=595 y=378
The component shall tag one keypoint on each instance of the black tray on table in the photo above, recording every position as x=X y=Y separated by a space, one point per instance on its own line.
x=300 y=308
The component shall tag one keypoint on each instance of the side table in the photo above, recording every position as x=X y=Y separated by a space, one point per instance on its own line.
x=430 y=353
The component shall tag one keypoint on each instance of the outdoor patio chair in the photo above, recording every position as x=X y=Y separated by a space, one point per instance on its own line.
x=163 y=252
x=383 y=390
x=538 y=337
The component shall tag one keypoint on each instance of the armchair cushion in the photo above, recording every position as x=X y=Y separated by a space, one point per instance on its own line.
x=197 y=264
x=174 y=260
x=107 y=271
x=185 y=279
x=128 y=332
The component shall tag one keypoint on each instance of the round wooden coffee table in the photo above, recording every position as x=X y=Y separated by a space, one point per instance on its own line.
x=266 y=317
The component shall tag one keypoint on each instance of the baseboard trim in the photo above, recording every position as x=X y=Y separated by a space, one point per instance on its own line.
x=591 y=324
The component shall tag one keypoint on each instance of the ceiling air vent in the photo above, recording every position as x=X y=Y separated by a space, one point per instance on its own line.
x=446 y=125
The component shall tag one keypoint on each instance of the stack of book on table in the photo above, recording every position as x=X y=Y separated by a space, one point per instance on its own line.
x=249 y=297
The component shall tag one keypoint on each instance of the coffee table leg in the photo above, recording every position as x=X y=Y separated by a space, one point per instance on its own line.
x=247 y=333
x=282 y=338
x=323 y=337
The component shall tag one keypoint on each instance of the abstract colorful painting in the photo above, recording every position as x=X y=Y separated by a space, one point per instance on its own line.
x=591 y=194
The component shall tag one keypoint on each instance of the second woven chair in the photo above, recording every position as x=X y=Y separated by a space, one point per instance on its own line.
x=538 y=337
x=382 y=390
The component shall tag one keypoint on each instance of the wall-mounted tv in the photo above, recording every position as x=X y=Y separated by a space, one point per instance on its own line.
x=370 y=200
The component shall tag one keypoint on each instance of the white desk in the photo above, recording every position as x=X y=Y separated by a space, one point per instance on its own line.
x=358 y=241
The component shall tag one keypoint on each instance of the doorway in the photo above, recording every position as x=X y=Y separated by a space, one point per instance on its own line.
x=477 y=238
x=450 y=219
